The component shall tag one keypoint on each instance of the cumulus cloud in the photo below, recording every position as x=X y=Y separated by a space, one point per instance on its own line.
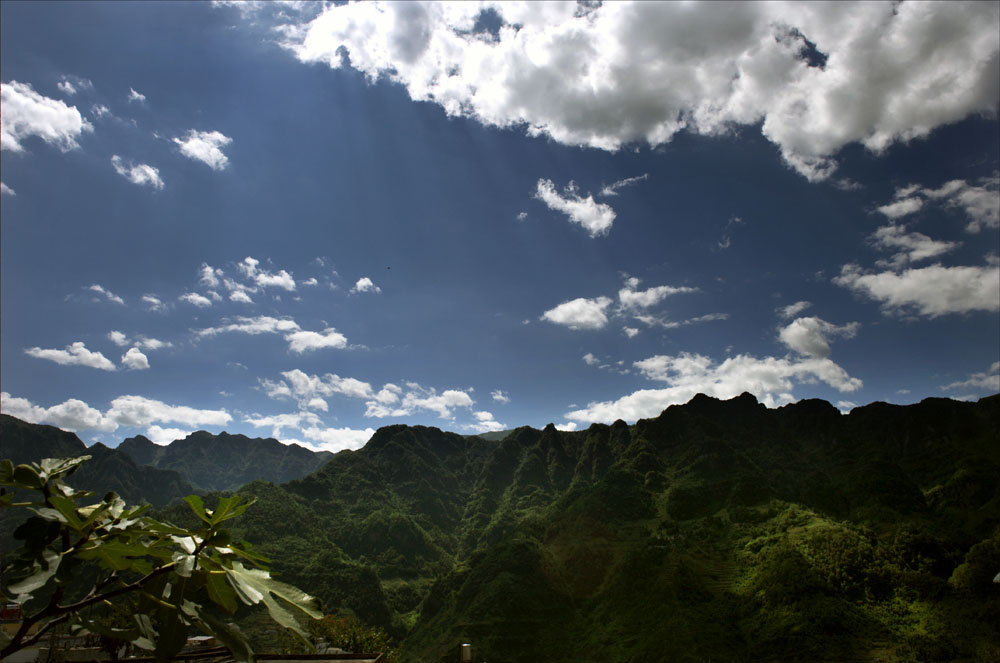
x=205 y=146
x=164 y=436
x=71 y=415
x=154 y=303
x=979 y=202
x=810 y=336
x=110 y=296
x=499 y=396
x=118 y=338
x=299 y=340
x=590 y=360
x=915 y=246
x=484 y=423
x=988 y=381
x=27 y=113
x=814 y=76
x=399 y=403
x=931 y=291
x=365 y=284
x=580 y=313
x=75 y=354
x=66 y=87
x=631 y=298
x=770 y=379
x=141 y=173
x=135 y=360
x=75 y=415
x=305 y=387
x=208 y=276
x=134 y=96
x=194 y=298
x=261 y=277
x=306 y=341
x=337 y=439
x=793 y=310
x=595 y=217
x=6 y=190
x=631 y=332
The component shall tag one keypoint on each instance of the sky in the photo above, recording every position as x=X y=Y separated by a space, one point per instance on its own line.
x=306 y=221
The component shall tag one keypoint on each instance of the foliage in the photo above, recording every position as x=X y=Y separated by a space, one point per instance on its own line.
x=178 y=577
x=346 y=633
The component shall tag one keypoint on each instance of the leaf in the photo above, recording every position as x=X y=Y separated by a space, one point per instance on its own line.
x=198 y=506
x=185 y=564
x=6 y=472
x=68 y=509
x=27 y=477
x=220 y=592
x=254 y=586
x=227 y=634
x=229 y=507
x=44 y=569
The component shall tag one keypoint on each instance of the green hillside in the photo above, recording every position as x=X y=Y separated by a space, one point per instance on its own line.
x=718 y=531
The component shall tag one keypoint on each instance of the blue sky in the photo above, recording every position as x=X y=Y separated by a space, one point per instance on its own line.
x=308 y=221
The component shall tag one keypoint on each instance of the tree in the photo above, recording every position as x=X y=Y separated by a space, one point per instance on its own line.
x=76 y=558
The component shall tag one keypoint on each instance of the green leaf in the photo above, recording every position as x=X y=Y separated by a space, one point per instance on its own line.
x=229 y=507
x=254 y=586
x=6 y=472
x=227 y=634
x=26 y=476
x=43 y=570
x=198 y=506
x=68 y=509
x=220 y=592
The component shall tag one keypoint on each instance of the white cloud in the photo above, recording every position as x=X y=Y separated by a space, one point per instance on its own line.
x=279 y=422
x=365 y=284
x=66 y=87
x=596 y=217
x=931 y=291
x=915 y=246
x=979 y=202
x=262 y=324
x=110 y=296
x=485 y=423
x=240 y=296
x=100 y=110
x=986 y=381
x=141 y=411
x=118 y=338
x=793 y=310
x=6 y=190
x=631 y=332
x=27 y=113
x=392 y=401
x=612 y=189
x=76 y=415
x=499 y=396
x=208 y=276
x=154 y=303
x=631 y=298
x=664 y=323
x=152 y=343
x=75 y=354
x=164 y=436
x=317 y=403
x=261 y=277
x=809 y=336
x=205 y=146
x=310 y=281
x=194 y=298
x=71 y=415
x=568 y=426
x=134 y=96
x=771 y=379
x=141 y=174
x=591 y=360
x=580 y=313
x=306 y=341
x=624 y=72
x=135 y=360
x=337 y=439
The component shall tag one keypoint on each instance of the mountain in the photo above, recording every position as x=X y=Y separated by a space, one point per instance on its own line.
x=224 y=461
x=720 y=530
x=108 y=470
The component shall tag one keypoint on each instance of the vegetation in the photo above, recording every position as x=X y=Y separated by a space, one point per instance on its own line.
x=76 y=560
x=717 y=531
